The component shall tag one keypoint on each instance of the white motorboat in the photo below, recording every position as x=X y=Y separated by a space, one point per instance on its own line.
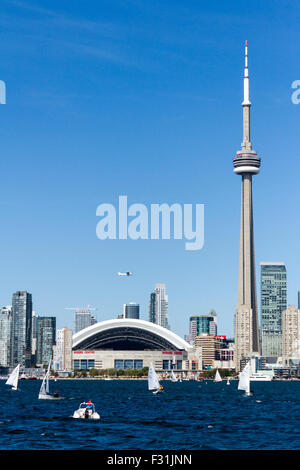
x=260 y=377
x=86 y=411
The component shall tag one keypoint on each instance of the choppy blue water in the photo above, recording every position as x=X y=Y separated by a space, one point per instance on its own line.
x=188 y=415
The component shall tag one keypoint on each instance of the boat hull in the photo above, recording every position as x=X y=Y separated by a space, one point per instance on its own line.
x=262 y=378
x=80 y=414
x=43 y=396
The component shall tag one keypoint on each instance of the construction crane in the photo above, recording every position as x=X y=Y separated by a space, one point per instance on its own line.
x=81 y=310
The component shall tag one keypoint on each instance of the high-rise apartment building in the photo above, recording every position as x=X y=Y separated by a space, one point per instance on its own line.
x=290 y=334
x=33 y=335
x=21 y=328
x=158 y=306
x=131 y=310
x=246 y=163
x=273 y=300
x=5 y=336
x=63 y=349
x=83 y=319
x=45 y=339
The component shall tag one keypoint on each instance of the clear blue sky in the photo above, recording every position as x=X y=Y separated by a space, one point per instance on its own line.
x=143 y=98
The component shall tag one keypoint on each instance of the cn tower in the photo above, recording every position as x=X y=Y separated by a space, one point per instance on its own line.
x=246 y=163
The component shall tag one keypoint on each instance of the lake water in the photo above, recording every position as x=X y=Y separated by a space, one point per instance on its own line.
x=187 y=415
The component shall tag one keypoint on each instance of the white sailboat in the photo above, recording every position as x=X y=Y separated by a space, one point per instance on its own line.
x=173 y=377
x=244 y=382
x=228 y=381
x=13 y=379
x=153 y=382
x=217 y=377
x=44 y=390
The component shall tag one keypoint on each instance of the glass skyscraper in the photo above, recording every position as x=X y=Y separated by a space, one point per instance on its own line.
x=21 y=328
x=273 y=303
x=200 y=324
x=83 y=319
x=158 y=306
x=5 y=336
x=131 y=310
x=45 y=339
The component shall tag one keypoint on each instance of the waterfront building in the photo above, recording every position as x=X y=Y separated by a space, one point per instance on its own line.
x=290 y=334
x=83 y=319
x=63 y=349
x=5 y=336
x=210 y=345
x=158 y=306
x=225 y=354
x=246 y=163
x=131 y=310
x=45 y=339
x=132 y=344
x=21 y=328
x=273 y=302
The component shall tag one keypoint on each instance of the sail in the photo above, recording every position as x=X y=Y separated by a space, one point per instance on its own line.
x=153 y=382
x=44 y=390
x=47 y=379
x=173 y=377
x=218 y=377
x=244 y=382
x=14 y=377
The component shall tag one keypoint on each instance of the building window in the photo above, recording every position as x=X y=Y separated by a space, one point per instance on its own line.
x=128 y=364
x=119 y=364
x=76 y=364
x=138 y=364
x=178 y=365
x=91 y=363
x=83 y=364
x=166 y=364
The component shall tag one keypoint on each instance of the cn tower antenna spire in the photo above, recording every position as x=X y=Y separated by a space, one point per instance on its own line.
x=246 y=101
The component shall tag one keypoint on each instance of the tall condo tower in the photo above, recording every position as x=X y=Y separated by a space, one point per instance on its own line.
x=246 y=163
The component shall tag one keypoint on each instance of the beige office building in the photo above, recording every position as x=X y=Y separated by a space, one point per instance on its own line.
x=209 y=345
x=290 y=334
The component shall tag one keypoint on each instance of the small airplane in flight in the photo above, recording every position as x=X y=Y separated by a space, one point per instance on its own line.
x=125 y=274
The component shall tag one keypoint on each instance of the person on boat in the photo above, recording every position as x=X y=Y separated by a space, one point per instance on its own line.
x=161 y=387
x=56 y=394
x=89 y=405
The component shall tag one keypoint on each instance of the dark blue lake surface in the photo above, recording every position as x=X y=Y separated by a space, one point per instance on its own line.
x=187 y=415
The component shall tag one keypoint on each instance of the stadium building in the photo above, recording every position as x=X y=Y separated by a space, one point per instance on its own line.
x=132 y=344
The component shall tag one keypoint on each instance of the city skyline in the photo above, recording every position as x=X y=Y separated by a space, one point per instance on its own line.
x=96 y=121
